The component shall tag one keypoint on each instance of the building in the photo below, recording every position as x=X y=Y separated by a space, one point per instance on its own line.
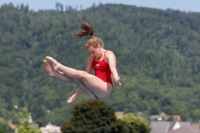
x=156 y=117
x=194 y=128
x=50 y=129
x=173 y=127
x=119 y=114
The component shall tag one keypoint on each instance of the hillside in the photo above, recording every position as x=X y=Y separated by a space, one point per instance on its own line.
x=157 y=52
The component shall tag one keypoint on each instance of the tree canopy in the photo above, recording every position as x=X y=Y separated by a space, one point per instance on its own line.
x=136 y=124
x=94 y=116
x=26 y=126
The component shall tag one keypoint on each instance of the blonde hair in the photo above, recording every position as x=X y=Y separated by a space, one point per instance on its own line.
x=87 y=30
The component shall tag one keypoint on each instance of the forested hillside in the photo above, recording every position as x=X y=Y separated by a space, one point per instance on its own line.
x=158 y=60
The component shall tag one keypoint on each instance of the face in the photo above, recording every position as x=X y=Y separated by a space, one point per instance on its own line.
x=94 y=51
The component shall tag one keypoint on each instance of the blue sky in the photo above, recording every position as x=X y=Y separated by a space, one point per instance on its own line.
x=183 y=5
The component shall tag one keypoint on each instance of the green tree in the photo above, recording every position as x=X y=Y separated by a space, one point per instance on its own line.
x=2 y=131
x=136 y=124
x=26 y=127
x=94 y=116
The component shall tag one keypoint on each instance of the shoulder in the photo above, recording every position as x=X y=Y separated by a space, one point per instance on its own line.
x=109 y=54
x=90 y=58
x=109 y=57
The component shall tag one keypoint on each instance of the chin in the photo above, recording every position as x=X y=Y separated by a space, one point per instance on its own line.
x=98 y=56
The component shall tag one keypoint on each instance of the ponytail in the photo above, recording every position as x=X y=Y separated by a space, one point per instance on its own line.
x=86 y=30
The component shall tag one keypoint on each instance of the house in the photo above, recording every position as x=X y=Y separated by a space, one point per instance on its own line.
x=175 y=117
x=119 y=114
x=166 y=126
x=194 y=128
x=156 y=117
x=50 y=129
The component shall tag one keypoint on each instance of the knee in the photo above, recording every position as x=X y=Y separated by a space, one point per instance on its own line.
x=77 y=81
x=82 y=74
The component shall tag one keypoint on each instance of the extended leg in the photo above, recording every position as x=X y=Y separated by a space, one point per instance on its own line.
x=98 y=87
x=80 y=84
x=63 y=77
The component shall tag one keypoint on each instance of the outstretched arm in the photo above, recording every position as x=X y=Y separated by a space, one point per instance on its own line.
x=112 y=64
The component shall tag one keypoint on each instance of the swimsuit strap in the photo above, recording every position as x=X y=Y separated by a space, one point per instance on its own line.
x=104 y=54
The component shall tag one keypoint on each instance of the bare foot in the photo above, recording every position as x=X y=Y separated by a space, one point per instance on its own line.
x=55 y=64
x=48 y=67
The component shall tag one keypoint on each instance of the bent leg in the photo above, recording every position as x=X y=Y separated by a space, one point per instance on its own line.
x=62 y=76
x=86 y=90
x=90 y=83
x=98 y=87
x=70 y=72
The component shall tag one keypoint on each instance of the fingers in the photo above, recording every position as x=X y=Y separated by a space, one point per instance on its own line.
x=72 y=98
x=118 y=81
x=69 y=101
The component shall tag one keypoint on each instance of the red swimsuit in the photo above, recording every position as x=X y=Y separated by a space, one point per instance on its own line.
x=102 y=70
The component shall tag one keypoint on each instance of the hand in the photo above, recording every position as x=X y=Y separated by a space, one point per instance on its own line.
x=117 y=80
x=72 y=98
